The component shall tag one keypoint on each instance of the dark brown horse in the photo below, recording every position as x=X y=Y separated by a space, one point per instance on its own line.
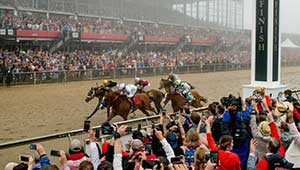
x=122 y=107
x=156 y=96
x=178 y=101
x=97 y=92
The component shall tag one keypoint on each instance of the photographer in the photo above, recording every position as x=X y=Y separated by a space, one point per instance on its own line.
x=262 y=101
x=235 y=123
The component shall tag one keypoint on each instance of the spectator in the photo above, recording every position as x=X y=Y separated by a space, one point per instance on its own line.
x=76 y=154
x=228 y=159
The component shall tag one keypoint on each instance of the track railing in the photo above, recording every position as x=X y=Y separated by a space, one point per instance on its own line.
x=147 y=120
x=61 y=76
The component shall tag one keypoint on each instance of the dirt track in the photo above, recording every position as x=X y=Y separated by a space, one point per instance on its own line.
x=28 y=111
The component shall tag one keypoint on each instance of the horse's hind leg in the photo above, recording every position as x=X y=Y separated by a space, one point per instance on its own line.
x=158 y=107
x=110 y=116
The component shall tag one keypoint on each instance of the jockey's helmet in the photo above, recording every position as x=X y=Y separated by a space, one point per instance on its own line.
x=105 y=82
x=177 y=82
x=137 y=80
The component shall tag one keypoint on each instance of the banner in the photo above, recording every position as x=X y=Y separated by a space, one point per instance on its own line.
x=37 y=33
x=111 y=37
x=261 y=44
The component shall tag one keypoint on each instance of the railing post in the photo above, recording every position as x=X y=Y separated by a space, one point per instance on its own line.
x=114 y=73
x=34 y=78
x=65 y=76
x=91 y=72
x=214 y=67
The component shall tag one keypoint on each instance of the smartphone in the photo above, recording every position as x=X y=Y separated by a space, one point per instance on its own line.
x=176 y=160
x=129 y=129
x=97 y=133
x=87 y=141
x=153 y=126
x=86 y=125
x=149 y=164
x=32 y=147
x=139 y=127
x=24 y=158
x=148 y=146
x=214 y=157
x=206 y=157
x=55 y=153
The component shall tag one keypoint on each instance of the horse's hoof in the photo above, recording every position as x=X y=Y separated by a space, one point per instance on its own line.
x=132 y=116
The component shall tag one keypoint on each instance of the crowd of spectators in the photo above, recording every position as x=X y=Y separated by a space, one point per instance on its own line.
x=38 y=60
x=258 y=133
x=35 y=21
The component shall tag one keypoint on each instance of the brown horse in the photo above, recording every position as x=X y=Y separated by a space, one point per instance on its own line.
x=178 y=101
x=121 y=106
x=156 y=96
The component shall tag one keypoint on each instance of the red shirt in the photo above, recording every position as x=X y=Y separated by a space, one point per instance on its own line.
x=228 y=160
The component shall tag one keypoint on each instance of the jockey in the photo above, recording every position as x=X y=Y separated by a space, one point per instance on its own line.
x=173 y=77
x=185 y=89
x=129 y=90
x=142 y=85
x=108 y=84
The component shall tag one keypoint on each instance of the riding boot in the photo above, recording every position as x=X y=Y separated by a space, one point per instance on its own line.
x=130 y=99
x=102 y=105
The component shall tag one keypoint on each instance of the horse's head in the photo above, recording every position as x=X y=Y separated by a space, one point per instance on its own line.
x=95 y=92
x=166 y=84
x=91 y=94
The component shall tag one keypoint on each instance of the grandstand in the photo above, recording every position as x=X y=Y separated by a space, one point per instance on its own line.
x=168 y=22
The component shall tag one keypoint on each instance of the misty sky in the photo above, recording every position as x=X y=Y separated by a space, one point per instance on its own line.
x=290 y=15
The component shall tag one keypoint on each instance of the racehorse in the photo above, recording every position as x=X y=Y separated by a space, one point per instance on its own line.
x=179 y=101
x=156 y=96
x=122 y=107
x=97 y=92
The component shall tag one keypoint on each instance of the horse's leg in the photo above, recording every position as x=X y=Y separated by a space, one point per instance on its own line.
x=96 y=109
x=158 y=106
x=111 y=115
x=125 y=116
x=145 y=112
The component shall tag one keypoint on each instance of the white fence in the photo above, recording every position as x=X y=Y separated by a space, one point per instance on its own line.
x=147 y=121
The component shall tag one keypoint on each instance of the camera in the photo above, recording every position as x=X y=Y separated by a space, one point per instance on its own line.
x=86 y=126
x=55 y=153
x=257 y=96
x=148 y=148
x=128 y=129
x=24 y=158
x=213 y=156
x=149 y=164
x=97 y=133
x=32 y=147
x=107 y=129
x=232 y=101
x=176 y=160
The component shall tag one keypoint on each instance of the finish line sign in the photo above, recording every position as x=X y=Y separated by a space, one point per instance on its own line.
x=261 y=44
